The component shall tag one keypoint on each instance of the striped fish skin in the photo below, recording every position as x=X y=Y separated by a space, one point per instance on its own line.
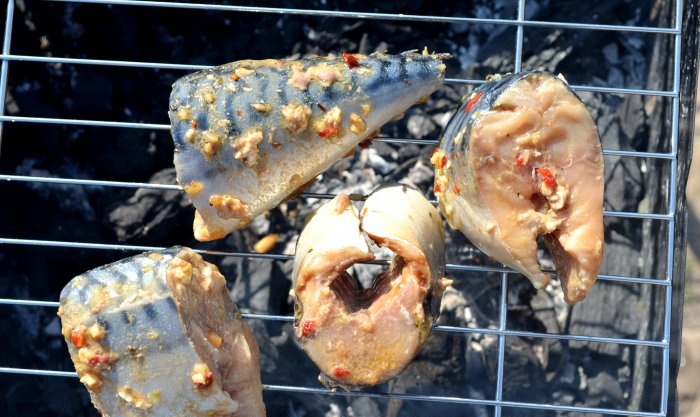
x=250 y=133
x=361 y=337
x=158 y=335
x=520 y=159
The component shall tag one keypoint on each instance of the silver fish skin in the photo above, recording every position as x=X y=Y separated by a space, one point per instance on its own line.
x=520 y=159
x=365 y=336
x=158 y=335
x=250 y=133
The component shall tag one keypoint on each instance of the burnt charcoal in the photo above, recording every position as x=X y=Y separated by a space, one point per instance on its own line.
x=258 y=284
x=364 y=406
x=421 y=126
x=68 y=198
x=604 y=390
x=380 y=164
x=150 y=216
x=22 y=392
x=421 y=175
x=407 y=154
x=77 y=205
x=150 y=152
x=523 y=378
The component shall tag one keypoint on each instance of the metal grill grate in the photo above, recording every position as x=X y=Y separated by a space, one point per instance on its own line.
x=661 y=225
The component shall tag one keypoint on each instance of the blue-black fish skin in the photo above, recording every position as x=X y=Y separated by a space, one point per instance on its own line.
x=244 y=131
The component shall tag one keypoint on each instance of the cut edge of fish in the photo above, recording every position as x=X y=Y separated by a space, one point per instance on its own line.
x=410 y=242
x=461 y=211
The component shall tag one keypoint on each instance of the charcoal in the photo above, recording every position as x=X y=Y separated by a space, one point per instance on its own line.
x=66 y=198
x=257 y=284
x=421 y=126
x=150 y=215
x=604 y=389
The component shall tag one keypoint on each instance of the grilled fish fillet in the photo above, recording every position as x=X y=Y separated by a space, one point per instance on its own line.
x=250 y=133
x=158 y=335
x=521 y=158
x=357 y=336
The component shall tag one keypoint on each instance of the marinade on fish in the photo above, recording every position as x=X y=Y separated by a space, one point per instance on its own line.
x=520 y=159
x=158 y=335
x=364 y=336
x=250 y=133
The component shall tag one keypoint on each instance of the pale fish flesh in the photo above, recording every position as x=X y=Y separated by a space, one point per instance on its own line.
x=364 y=336
x=521 y=158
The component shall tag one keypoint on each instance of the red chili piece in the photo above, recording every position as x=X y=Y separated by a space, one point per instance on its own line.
x=208 y=378
x=340 y=371
x=456 y=188
x=99 y=360
x=350 y=61
x=77 y=337
x=194 y=123
x=328 y=132
x=473 y=101
x=308 y=327
x=234 y=76
x=442 y=162
x=437 y=188
x=519 y=160
x=547 y=177
x=365 y=143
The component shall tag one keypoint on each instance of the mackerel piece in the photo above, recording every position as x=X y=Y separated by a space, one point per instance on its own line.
x=250 y=133
x=158 y=335
x=520 y=159
x=365 y=336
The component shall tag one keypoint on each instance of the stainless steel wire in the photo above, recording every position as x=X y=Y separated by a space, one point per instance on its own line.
x=187 y=67
x=382 y=16
x=97 y=183
x=665 y=365
x=503 y=311
x=7 y=40
x=502 y=317
x=501 y=332
x=140 y=248
x=433 y=398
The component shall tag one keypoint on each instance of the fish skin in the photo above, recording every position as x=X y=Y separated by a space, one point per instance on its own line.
x=255 y=131
x=361 y=337
x=152 y=336
x=509 y=139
